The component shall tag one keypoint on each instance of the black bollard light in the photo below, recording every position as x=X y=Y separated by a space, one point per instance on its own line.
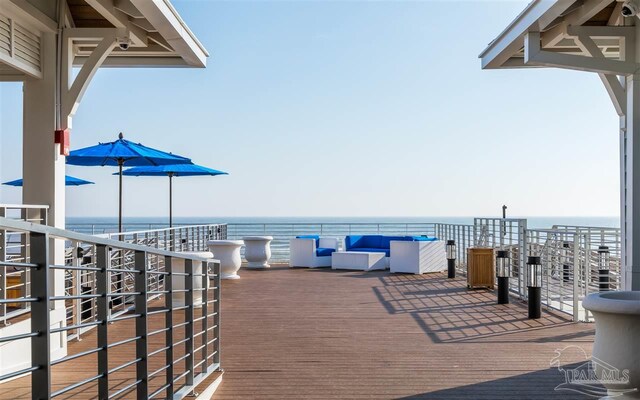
x=566 y=269
x=604 y=265
x=534 y=286
x=451 y=258
x=503 y=272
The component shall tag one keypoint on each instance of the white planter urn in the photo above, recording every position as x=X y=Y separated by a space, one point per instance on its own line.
x=177 y=281
x=228 y=253
x=257 y=251
x=617 y=342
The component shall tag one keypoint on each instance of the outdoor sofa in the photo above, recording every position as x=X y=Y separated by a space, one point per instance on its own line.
x=312 y=251
x=406 y=254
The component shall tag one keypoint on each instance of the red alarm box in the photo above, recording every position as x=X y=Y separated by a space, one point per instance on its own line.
x=62 y=138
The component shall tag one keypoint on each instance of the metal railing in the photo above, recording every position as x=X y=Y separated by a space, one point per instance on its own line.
x=463 y=236
x=283 y=232
x=509 y=234
x=81 y=282
x=189 y=346
x=14 y=282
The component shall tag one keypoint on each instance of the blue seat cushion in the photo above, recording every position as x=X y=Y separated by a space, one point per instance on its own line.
x=324 y=251
x=316 y=237
x=387 y=252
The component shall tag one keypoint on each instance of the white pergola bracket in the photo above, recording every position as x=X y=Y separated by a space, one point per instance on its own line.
x=72 y=92
x=535 y=56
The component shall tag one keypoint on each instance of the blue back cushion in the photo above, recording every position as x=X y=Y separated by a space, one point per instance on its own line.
x=372 y=241
x=316 y=237
x=352 y=241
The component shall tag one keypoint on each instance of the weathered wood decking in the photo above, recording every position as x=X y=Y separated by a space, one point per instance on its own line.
x=321 y=334
x=292 y=334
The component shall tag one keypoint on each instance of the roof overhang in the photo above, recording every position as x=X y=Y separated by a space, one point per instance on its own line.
x=556 y=21
x=158 y=35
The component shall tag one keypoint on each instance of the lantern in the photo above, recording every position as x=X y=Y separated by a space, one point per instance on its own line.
x=503 y=272
x=534 y=286
x=451 y=258
x=604 y=265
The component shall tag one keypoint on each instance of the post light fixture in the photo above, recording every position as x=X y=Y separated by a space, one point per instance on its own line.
x=566 y=268
x=604 y=265
x=503 y=272
x=451 y=258
x=534 y=286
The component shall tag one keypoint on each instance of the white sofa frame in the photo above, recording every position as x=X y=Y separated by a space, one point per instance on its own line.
x=302 y=252
x=418 y=257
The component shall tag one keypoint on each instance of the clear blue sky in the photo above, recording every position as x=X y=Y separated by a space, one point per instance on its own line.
x=347 y=109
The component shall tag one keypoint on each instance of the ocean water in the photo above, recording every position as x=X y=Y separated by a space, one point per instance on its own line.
x=157 y=222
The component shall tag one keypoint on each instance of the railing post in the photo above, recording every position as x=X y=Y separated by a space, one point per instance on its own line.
x=205 y=315
x=188 y=318
x=3 y=269
x=216 y=313
x=76 y=283
x=168 y=298
x=40 y=317
x=142 y=349
x=102 y=315
x=576 y=278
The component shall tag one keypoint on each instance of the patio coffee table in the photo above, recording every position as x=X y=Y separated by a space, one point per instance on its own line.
x=358 y=260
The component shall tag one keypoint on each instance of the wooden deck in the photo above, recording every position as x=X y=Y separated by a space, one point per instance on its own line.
x=300 y=333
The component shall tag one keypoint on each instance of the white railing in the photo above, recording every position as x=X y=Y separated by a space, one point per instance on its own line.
x=14 y=282
x=81 y=282
x=501 y=234
x=191 y=349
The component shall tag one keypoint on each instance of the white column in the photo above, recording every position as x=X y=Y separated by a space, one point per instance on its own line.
x=630 y=188
x=43 y=169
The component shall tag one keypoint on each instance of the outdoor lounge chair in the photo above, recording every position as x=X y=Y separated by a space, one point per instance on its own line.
x=312 y=251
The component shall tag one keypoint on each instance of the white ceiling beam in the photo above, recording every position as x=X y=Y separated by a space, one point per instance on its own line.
x=616 y=17
x=601 y=32
x=581 y=15
x=156 y=37
x=126 y=7
x=137 y=62
x=144 y=24
x=119 y=19
x=534 y=55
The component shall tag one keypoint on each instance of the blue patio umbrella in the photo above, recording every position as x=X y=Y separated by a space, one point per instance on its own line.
x=173 y=171
x=68 y=181
x=122 y=153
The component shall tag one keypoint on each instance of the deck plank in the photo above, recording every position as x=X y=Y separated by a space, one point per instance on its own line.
x=322 y=334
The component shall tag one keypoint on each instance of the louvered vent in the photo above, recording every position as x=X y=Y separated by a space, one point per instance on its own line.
x=26 y=46
x=5 y=35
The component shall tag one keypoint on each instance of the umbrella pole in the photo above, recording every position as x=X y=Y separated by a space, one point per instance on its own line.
x=120 y=162
x=170 y=200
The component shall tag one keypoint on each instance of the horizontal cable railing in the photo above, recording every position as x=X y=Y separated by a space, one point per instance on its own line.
x=509 y=234
x=282 y=233
x=160 y=343
x=14 y=282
